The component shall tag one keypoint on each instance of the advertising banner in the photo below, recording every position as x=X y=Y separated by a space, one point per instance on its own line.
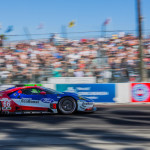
x=97 y=92
x=140 y=92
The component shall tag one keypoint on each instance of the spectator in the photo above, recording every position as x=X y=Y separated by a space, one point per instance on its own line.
x=37 y=61
x=78 y=73
x=57 y=71
x=124 y=69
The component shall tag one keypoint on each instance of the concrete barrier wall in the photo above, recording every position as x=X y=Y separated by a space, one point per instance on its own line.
x=71 y=80
x=123 y=93
x=52 y=86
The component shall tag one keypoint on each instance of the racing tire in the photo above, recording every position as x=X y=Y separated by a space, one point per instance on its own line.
x=67 y=105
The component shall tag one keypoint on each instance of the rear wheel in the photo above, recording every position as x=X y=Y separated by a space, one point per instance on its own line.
x=67 y=105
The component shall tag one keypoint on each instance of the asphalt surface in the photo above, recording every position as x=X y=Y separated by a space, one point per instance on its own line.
x=114 y=127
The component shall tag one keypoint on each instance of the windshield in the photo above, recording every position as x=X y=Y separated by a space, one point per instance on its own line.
x=50 y=90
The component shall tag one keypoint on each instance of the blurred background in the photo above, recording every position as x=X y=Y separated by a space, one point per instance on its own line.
x=44 y=39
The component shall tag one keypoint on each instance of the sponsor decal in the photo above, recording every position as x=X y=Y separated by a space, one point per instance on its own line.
x=93 y=93
x=140 y=93
x=6 y=108
x=47 y=100
x=5 y=99
x=87 y=103
x=29 y=100
x=84 y=105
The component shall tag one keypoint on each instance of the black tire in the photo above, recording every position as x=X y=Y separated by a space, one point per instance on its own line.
x=67 y=105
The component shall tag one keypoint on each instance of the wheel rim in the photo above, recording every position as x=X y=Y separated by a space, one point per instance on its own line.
x=67 y=106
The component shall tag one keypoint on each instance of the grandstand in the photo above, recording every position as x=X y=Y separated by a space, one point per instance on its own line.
x=111 y=59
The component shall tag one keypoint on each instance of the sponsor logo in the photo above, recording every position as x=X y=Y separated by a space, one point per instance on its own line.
x=87 y=103
x=6 y=108
x=93 y=93
x=140 y=92
x=71 y=90
x=5 y=99
x=28 y=100
x=84 y=88
x=47 y=100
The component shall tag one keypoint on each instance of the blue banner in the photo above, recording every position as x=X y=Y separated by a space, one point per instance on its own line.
x=97 y=92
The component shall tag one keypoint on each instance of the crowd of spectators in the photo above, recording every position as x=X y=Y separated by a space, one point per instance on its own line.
x=109 y=60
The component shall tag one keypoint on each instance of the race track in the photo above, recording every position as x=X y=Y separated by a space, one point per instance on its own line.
x=111 y=127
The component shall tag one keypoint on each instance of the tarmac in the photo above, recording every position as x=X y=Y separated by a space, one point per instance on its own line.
x=114 y=127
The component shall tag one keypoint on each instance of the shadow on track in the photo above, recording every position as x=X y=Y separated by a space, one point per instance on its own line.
x=103 y=126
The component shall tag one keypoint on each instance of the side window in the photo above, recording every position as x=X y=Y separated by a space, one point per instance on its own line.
x=48 y=91
x=35 y=91
x=13 y=94
x=26 y=91
x=31 y=91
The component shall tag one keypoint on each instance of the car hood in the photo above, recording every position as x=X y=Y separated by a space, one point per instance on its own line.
x=69 y=94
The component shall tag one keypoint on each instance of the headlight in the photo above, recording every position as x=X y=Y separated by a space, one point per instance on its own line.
x=82 y=98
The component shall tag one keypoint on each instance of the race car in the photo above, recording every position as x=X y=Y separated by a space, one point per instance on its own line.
x=37 y=99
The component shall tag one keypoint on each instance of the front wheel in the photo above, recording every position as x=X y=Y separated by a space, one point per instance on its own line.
x=67 y=105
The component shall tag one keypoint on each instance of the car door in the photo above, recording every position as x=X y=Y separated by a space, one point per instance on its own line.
x=31 y=99
x=52 y=95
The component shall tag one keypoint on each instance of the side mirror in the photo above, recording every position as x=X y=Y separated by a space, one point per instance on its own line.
x=20 y=92
x=43 y=93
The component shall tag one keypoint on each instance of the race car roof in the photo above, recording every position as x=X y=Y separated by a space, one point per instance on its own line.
x=12 y=89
